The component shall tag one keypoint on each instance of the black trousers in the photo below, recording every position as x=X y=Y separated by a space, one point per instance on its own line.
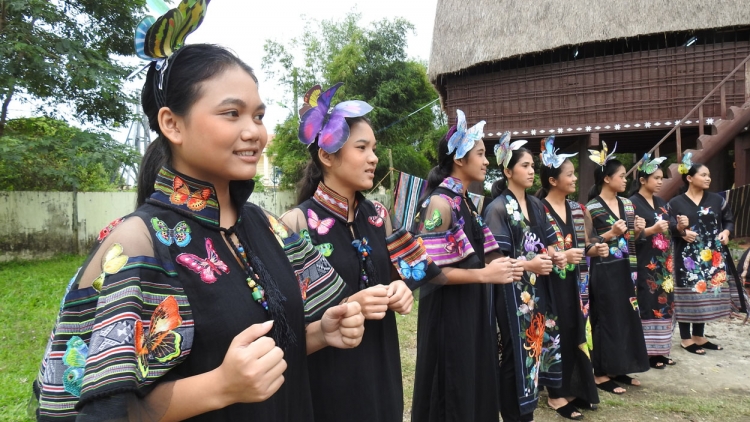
x=685 y=330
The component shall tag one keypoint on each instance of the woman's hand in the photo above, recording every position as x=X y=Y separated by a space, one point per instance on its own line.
x=602 y=250
x=661 y=226
x=559 y=259
x=574 y=255
x=540 y=265
x=253 y=367
x=400 y=297
x=501 y=271
x=343 y=326
x=373 y=300
x=619 y=228
x=682 y=223
x=639 y=224
x=724 y=237
x=690 y=236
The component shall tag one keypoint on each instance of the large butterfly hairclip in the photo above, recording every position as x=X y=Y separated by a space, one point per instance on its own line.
x=649 y=167
x=687 y=162
x=504 y=149
x=156 y=39
x=328 y=125
x=601 y=157
x=463 y=139
x=550 y=157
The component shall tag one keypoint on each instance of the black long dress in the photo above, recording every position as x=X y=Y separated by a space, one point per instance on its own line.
x=363 y=383
x=701 y=291
x=619 y=345
x=525 y=310
x=655 y=280
x=170 y=279
x=456 y=371
x=577 y=372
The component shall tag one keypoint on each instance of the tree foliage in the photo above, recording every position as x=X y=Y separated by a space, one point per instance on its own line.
x=44 y=154
x=373 y=64
x=64 y=52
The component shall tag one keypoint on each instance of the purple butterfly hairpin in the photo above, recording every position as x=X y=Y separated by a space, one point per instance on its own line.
x=318 y=120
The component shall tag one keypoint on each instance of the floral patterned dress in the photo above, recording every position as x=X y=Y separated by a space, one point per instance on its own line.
x=655 y=281
x=701 y=290
x=525 y=310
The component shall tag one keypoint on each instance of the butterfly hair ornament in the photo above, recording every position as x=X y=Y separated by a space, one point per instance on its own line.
x=649 y=167
x=549 y=155
x=504 y=149
x=158 y=40
x=461 y=139
x=319 y=121
x=600 y=157
x=687 y=162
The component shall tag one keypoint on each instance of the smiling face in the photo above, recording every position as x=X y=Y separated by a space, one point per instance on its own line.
x=701 y=179
x=521 y=174
x=353 y=166
x=222 y=136
x=566 y=181
x=473 y=167
x=617 y=182
x=654 y=181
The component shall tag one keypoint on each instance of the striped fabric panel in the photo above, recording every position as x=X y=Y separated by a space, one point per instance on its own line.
x=693 y=307
x=325 y=287
x=408 y=191
x=658 y=335
x=444 y=252
x=490 y=244
x=405 y=249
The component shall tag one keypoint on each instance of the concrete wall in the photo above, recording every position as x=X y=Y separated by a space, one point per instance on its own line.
x=41 y=224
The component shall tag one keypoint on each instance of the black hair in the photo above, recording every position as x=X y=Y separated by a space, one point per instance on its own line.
x=502 y=182
x=691 y=172
x=445 y=164
x=187 y=69
x=544 y=174
x=636 y=185
x=312 y=175
x=607 y=170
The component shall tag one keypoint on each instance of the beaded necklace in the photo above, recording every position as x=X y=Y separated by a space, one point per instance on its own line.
x=253 y=280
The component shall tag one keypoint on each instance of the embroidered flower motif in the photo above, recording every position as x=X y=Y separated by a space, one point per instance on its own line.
x=659 y=242
x=524 y=309
x=668 y=284
x=662 y=299
x=651 y=265
x=700 y=286
x=689 y=263
x=525 y=297
x=716 y=259
x=706 y=255
x=669 y=263
x=534 y=336
x=550 y=323
x=718 y=279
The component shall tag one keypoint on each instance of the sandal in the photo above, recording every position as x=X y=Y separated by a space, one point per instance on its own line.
x=667 y=360
x=694 y=348
x=656 y=363
x=609 y=386
x=624 y=379
x=567 y=412
x=710 y=346
x=583 y=404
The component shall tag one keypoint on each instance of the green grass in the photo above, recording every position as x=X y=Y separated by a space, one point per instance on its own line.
x=30 y=294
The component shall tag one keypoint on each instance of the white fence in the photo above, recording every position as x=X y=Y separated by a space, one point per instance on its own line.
x=40 y=224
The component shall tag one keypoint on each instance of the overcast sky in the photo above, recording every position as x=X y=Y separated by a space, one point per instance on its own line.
x=244 y=25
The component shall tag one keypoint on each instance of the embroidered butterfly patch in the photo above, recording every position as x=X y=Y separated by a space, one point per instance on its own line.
x=454 y=202
x=315 y=223
x=75 y=360
x=379 y=219
x=325 y=249
x=415 y=272
x=454 y=244
x=107 y=230
x=181 y=195
x=204 y=267
x=112 y=262
x=179 y=235
x=278 y=229
x=434 y=222
x=158 y=341
x=303 y=286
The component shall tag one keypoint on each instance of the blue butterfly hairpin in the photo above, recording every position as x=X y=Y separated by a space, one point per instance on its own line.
x=687 y=162
x=550 y=157
x=504 y=149
x=462 y=141
x=649 y=167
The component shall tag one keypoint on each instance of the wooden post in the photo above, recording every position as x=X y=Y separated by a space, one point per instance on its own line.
x=742 y=160
x=723 y=102
x=678 y=132
x=747 y=81
x=390 y=170
x=700 y=121
x=586 y=167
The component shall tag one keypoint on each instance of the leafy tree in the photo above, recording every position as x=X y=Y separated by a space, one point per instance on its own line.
x=44 y=154
x=64 y=52
x=372 y=63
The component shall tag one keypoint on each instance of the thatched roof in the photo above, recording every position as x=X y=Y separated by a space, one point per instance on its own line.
x=471 y=32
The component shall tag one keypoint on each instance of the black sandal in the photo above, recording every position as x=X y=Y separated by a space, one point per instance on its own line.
x=667 y=361
x=656 y=362
x=624 y=379
x=583 y=404
x=710 y=346
x=567 y=412
x=609 y=386
x=695 y=349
